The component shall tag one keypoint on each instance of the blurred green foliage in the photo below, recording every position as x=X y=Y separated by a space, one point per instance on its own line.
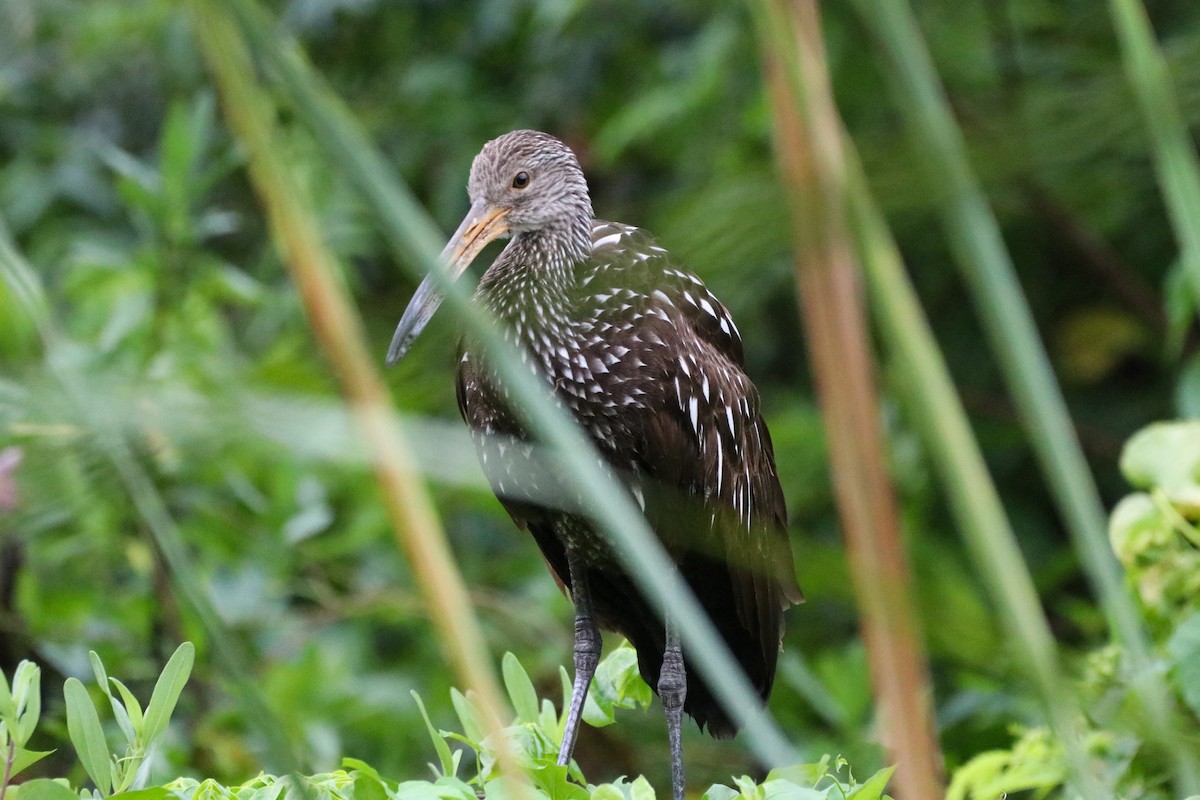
x=121 y=185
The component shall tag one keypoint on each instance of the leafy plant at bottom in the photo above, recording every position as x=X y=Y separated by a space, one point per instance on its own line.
x=111 y=774
x=533 y=737
x=536 y=732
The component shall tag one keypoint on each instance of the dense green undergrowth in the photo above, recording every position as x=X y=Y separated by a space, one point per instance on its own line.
x=1154 y=531
x=466 y=766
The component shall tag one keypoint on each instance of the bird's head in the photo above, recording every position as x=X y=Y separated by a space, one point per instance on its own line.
x=531 y=180
x=523 y=182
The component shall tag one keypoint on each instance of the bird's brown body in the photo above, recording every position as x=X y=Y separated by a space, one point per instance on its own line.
x=650 y=364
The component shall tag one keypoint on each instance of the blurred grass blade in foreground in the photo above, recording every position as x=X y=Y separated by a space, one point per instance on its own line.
x=809 y=148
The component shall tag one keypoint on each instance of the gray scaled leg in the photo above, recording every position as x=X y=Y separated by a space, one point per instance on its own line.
x=672 y=688
x=587 y=653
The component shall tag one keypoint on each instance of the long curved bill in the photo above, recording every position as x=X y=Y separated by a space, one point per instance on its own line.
x=482 y=224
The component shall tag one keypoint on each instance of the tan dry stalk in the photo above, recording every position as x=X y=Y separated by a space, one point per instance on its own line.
x=808 y=142
x=339 y=332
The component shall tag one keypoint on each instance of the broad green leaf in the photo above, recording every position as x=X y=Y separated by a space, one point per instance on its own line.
x=369 y=786
x=520 y=689
x=1137 y=526
x=598 y=709
x=548 y=721
x=504 y=788
x=1166 y=455
x=23 y=758
x=553 y=780
x=641 y=789
x=439 y=742
x=607 y=791
x=452 y=788
x=617 y=684
x=167 y=690
x=803 y=774
x=873 y=788
x=361 y=766
x=42 y=789
x=747 y=787
x=717 y=791
x=787 y=790
x=468 y=716
x=152 y=793
x=83 y=726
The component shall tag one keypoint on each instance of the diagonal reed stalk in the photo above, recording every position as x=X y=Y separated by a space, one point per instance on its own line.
x=939 y=415
x=416 y=244
x=808 y=143
x=1174 y=152
x=338 y=330
x=978 y=247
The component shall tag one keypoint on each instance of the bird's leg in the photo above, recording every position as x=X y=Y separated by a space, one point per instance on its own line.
x=672 y=688
x=587 y=653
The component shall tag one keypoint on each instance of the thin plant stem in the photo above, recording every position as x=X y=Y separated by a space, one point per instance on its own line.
x=1175 y=156
x=942 y=421
x=9 y=758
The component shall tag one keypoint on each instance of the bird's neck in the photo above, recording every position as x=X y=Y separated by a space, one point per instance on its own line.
x=530 y=285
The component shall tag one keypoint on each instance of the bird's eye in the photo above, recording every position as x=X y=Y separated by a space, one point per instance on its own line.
x=520 y=180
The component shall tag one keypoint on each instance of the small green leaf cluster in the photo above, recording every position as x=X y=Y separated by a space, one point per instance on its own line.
x=532 y=738
x=112 y=774
x=1154 y=531
x=536 y=732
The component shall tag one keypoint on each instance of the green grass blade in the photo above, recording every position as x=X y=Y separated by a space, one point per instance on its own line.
x=931 y=399
x=1174 y=153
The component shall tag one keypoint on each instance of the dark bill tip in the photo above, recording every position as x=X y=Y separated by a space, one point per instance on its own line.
x=420 y=310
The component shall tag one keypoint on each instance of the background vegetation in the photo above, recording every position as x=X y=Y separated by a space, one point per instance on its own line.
x=121 y=184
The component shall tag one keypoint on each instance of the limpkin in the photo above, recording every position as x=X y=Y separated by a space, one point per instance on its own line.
x=650 y=364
